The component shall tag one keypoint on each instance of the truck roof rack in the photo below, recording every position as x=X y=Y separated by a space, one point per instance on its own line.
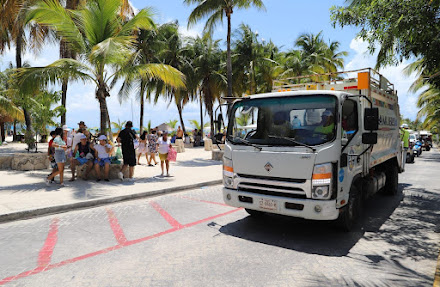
x=336 y=82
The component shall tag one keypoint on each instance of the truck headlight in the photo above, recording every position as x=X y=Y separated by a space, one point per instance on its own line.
x=321 y=181
x=228 y=173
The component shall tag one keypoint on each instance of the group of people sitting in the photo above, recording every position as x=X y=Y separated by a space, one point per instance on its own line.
x=79 y=149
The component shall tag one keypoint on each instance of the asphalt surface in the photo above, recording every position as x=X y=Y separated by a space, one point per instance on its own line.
x=192 y=239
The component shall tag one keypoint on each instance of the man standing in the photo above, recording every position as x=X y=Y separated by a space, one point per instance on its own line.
x=179 y=133
x=126 y=137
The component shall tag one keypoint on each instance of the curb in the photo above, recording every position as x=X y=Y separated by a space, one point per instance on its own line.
x=27 y=214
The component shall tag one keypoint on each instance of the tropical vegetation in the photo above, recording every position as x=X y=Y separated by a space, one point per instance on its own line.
x=149 y=60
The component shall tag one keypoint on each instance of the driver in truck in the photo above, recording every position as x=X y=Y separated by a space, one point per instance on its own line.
x=327 y=124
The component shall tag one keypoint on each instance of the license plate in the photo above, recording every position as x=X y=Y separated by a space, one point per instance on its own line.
x=268 y=204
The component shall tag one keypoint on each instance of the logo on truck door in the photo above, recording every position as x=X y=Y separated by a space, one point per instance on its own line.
x=351 y=159
x=268 y=167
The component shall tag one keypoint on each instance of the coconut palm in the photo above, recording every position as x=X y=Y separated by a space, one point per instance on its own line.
x=118 y=125
x=253 y=62
x=172 y=123
x=162 y=45
x=207 y=64
x=125 y=12
x=12 y=27
x=215 y=10
x=103 y=53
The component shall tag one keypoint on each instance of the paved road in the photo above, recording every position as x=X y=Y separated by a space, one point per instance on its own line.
x=193 y=239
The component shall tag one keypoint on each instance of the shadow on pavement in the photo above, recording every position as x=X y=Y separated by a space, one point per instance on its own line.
x=307 y=235
x=403 y=230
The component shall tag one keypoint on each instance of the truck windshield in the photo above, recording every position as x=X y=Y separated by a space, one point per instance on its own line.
x=284 y=121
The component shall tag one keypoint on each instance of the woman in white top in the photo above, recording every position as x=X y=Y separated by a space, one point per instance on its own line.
x=164 y=145
x=102 y=155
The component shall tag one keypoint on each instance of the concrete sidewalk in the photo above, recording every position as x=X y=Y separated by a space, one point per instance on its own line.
x=25 y=194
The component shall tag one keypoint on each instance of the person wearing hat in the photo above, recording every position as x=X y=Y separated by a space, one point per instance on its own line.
x=82 y=154
x=127 y=137
x=102 y=155
x=327 y=124
x=83 y=127
x=405 y=136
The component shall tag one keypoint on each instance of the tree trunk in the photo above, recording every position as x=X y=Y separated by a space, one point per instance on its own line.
x=18 y=61
x=228 y=57
x=2 y=131
x=14 y=136
x=63 y=100
x=201 y=113
x=141 y=120
x=100 y=95
x=180 y=110
x=211 y=115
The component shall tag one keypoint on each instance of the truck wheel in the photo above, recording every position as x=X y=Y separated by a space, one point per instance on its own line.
x=349 y=213
x=254 y=213
x=392 y=181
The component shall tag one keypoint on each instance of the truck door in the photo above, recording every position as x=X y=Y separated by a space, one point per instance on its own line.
x=351 y=140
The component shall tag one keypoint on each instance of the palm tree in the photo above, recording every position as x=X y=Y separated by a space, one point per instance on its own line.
x=207 y=64
x=118 y=125
x=197 y=125
x=172 y=123
x=429 y=99
x=13 y=26
x=253 y=62
x=161 y=45
x=215 y=10
x=98 y=49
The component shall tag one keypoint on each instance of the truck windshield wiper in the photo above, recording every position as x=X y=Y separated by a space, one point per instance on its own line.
x=245 y=142
x=293 y=141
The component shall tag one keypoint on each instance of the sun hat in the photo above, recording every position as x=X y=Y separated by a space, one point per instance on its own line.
x=82 y=137
x=102 y=138
x=81 y=123
x=65 y=128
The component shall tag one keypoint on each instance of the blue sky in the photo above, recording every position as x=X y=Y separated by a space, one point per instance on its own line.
x=282 y=22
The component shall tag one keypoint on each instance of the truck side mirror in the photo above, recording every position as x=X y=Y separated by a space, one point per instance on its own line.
x=371 y=119
x=369 y=138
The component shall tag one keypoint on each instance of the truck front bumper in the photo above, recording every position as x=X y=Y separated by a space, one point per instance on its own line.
x=303 y=208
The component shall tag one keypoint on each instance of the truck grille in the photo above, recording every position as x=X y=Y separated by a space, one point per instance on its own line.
x=290 y=188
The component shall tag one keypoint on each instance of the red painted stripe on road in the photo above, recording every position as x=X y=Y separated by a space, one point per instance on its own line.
x=117 y=230
x=45 y=255
x=205 y=201
x=173 y=222
x=109 y=249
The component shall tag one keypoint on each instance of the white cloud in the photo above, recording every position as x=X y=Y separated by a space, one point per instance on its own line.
x=363 y=59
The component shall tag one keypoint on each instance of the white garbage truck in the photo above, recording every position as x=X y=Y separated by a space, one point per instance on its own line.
x=314 y=150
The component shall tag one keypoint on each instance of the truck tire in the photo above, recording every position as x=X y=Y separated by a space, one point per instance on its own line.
x=392 y=181
x=254 y=213
x=350 y=212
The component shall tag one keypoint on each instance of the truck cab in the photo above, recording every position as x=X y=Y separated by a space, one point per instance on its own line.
x=311 y=153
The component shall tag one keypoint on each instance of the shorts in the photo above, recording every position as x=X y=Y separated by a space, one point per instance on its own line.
x=129 y=157
x=103 y=161
x=163 y=156
x=82 y=160
x=60 y=156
